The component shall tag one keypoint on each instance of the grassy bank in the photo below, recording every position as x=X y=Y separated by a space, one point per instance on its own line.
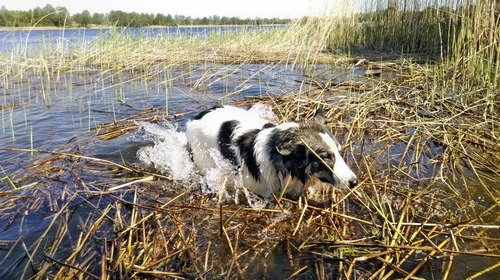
x=420 y=126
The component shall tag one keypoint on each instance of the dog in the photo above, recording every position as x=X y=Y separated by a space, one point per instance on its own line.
x=272 y=158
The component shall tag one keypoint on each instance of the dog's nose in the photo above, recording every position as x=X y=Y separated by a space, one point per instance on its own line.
x=353 y=182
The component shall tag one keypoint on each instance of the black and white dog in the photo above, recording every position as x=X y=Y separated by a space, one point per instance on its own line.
x=270 y=157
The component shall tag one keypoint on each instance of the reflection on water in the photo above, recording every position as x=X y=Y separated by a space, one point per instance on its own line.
x=63 y=40
x=34 y=117
x=69 y=111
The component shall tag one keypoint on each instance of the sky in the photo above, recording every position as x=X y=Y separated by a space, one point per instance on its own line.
x=193 y=8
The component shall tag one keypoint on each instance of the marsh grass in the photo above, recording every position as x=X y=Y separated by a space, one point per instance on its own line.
x=423 y=138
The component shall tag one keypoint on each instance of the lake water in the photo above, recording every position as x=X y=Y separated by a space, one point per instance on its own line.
x=67 y=112
x=79 y=105
x=30 y=40
x=32 y=117
x=46 y=121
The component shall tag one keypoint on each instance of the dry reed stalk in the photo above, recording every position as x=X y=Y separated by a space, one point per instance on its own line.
x=396 y=128
x=414 y=147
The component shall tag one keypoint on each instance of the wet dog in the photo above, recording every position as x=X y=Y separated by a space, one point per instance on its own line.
x=271 y=158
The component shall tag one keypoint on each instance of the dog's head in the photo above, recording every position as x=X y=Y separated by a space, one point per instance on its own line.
x=309 y=150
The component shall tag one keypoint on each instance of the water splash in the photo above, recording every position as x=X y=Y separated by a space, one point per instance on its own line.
x=168 y=153
x=264 y=111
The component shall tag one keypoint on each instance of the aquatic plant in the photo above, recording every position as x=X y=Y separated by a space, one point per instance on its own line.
x=418 y=116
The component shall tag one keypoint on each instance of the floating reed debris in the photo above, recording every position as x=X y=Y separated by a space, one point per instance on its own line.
x=424 y=141
x=399 y=222
x=119 y=127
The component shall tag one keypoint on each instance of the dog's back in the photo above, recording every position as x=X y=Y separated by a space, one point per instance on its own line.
x=270 y=157
x=214 y=130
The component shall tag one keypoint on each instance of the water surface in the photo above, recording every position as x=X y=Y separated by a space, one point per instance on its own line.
x=67 y=114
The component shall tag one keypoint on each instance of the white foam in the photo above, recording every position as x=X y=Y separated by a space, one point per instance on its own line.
x=264 y=111
x=168 y=153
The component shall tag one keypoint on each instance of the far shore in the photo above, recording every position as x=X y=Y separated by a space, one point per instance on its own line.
x=6 y=28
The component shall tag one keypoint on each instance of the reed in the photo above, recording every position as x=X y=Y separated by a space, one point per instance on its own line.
x=458 y=39
x=419 y=122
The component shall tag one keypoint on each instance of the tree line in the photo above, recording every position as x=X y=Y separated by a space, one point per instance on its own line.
x=60 y=17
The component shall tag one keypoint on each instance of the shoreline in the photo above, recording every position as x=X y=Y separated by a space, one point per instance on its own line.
x=29 y=28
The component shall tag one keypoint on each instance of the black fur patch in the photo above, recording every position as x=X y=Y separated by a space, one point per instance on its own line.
x=302 y=162
x=246 y=149
x=225 y=138
x=268 y=125
x=203 y=113
x=293 y=164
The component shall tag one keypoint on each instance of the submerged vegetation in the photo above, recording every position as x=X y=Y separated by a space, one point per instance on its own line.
x=421 y=126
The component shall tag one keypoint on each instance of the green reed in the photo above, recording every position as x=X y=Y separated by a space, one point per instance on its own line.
x=394 y=215
x=458 y=39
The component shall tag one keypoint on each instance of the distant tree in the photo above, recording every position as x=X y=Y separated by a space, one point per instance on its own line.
x=48 y=15
x=82 y=19
x=179 y=18
x=116 y=18
x=98 y=19
x=15 y=18
x=25 y=18
x=215 y=19
x=4 y=16
x=160 y=19
x=204 y=21
x=188 y=20
x=145 y=19
x=61 y=17
x=134 y=19
x=170 y=20
x=78 y=19
x=164 y=20
x=36 y=15
x=235 y=20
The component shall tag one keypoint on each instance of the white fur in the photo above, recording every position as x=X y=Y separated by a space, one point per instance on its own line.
x=340 y=168
x=270 y=181
x=202 y=135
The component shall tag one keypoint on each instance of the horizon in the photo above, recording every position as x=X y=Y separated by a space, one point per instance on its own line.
x=283 y=9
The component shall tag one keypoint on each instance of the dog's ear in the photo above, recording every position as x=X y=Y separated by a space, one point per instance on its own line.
x=285 y=148
x=319 y=116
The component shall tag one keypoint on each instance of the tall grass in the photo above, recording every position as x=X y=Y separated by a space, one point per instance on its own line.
x=420 y=126
x=474 y=53
x=460 y=39
x=391 y=26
